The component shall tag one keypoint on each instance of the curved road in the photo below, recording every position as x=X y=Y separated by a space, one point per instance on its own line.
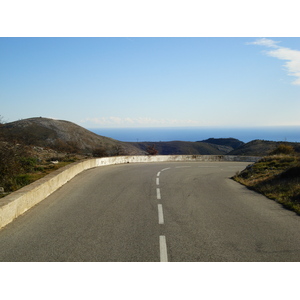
x=154 y=212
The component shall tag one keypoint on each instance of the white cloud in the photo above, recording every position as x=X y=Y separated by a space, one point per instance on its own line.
x=291 y=56
x=140 y=121
x=265 y=42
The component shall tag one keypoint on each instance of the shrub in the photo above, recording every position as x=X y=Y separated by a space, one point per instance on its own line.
x=117 y=150
x=28 y=163
x=22 y=180
x=99 y=152
x=283 y=149
x=66 y=146
x=10 y=164
x=151 y=150
x=15 y=160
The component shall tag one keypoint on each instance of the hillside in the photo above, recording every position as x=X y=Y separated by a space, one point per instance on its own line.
x=276 y=176
x=182 y=148
x=228 y=142
x=261 y=148
x=65 y=136
x=61 y=135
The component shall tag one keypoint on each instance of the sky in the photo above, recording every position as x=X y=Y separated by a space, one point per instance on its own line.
x=106 y=82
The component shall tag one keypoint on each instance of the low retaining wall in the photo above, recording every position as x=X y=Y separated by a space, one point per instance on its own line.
x=20 y=201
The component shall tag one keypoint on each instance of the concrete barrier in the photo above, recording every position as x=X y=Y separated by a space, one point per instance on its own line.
x=20 y=201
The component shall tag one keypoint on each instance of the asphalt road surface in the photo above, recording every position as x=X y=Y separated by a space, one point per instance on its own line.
x=174 y=212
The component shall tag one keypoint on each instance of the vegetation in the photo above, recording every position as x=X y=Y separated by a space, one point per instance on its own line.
x=283 y=149
x=151 y=150
x=115 y=150
x=28 y=149
x=277 y=176
x=263 y=148
x=19 y=166
x=229 y=142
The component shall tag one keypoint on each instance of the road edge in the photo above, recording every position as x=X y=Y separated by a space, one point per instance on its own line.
x=18 y=202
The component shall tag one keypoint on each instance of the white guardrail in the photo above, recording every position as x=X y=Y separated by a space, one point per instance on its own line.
x=20 y=201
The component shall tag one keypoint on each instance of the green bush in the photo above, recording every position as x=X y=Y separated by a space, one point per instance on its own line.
x=22 y=180
x=283 y=149
x=28 y=163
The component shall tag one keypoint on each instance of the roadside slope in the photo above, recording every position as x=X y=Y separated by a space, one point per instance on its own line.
x=261 y=147
x=276 y=176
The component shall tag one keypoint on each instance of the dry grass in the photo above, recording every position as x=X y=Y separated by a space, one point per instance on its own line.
x=277 y=177
x=38 y=171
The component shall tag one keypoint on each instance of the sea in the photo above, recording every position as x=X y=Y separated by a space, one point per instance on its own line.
x=193 y=134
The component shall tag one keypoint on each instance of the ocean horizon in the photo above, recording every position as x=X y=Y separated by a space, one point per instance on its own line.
x=193 y=134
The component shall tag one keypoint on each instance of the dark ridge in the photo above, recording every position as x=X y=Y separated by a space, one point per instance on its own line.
x=230 y=142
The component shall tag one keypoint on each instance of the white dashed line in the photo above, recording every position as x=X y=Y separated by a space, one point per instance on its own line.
x=162 y=239
x=160 y=214
x=163 y=249
x=158 y=194
x=182 y=167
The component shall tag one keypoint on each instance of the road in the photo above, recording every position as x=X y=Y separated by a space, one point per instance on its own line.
x=174 y=212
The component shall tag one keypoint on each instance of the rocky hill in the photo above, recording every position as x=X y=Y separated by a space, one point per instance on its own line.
x=63 y=136
x=261 y=148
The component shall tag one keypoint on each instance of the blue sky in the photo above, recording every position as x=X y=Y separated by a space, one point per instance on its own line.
x=152 y=82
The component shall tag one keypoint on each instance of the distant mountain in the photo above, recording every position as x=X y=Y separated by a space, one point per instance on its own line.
x=261 y=148
x=68 y=137
x=62 y=135
x=183 y=148
x=229 y=142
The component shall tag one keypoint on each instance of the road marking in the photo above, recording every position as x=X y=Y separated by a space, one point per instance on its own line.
x=163 y=249
x=162 y=238
x=158 y=194
x=160 y=214
x=182 y=167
